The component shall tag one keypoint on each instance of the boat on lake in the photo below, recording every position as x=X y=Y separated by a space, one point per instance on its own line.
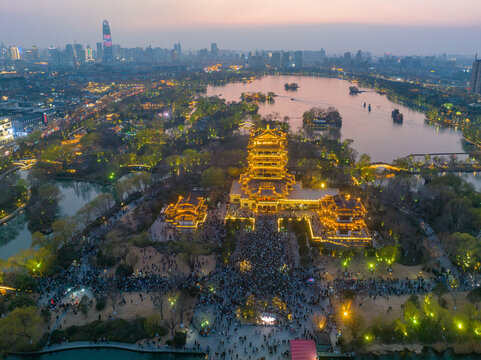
x=291 y=86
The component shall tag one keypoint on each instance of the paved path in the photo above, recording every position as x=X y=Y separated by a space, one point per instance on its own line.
x=433 y=245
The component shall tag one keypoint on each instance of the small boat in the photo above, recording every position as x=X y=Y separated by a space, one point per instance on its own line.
x=397 y=117
x=369 y=107
x=291 y=86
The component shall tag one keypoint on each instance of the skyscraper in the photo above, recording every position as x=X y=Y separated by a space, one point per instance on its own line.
x=286 y=59
x=475 y=85
x=88 y=53
x=100 y=52
x=298 y=59
x=214 y=51
x=3 y=51
x=79 y=53
x=14 y=53
x=107 y=37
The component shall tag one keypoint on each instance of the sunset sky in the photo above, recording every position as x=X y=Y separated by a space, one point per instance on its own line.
x=398 y=26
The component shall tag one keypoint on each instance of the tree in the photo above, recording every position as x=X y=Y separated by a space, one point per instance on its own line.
x=113 y=294
x=159 y=303
x=355 y=322
x=153 y=326
x=453 y=286
x=123 y=271
x=191 y=250
x=63 y=230
x=389 y=254
x=131 y=259
x=440 y=290
x=179 y=339
x=212 y=178
x=20 y=300
x=39 y=239
x=84 y=305
x=363 y=167
x=20 y=329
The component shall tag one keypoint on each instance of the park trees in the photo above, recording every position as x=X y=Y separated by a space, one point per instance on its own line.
x=43 y=207
x=212 y=178
x=388 y=254
x=20 y=329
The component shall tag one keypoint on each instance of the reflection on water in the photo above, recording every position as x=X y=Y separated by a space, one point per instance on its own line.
x=15 y=229
x=374 y=132
x=76 y=194
x=473 y=178
x=15 y=236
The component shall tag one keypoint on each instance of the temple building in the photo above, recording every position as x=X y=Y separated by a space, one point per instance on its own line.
x=342 y=219
x=189 y=212
x=267 y=186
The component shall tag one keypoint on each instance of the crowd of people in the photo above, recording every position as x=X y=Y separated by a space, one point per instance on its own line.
x=263 y=265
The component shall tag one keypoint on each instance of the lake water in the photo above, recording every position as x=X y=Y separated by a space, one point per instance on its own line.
x=117 y=354
x=105 y=354
x=373 y=133
x=14 y=234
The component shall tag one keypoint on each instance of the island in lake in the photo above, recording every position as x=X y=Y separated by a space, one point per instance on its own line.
x=258 y=97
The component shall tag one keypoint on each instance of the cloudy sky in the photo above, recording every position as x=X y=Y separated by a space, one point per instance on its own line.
x=395 y=26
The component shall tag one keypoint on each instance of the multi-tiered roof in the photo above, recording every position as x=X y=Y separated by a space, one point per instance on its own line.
x=267 y=175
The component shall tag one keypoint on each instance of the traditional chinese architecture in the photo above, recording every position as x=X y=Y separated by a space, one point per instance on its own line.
x=342 y=219
x=267 y=186
x=189 y=212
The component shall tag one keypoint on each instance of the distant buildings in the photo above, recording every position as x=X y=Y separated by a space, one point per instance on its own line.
x=14 y=53
x=214 y=50
x=6 y=131
x=298 y=59
x=88 y=53
x=286 y=59
x=100 y=52
x=107 y=38
x=475 y=85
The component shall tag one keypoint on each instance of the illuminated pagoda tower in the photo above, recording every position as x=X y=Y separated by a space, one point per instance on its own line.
x=267 y=186
x=107 y=37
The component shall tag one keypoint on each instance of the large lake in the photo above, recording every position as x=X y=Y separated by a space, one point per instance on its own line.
x=373 y=133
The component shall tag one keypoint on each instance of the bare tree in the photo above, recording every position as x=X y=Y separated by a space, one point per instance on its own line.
x=113 y=294
x=131 y=259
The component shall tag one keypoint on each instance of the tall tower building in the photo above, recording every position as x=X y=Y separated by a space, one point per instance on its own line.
x=34 y=51
x=286 y=59
x=3 y=51
x=298 y=59
x=88 y=53
x=475 y=85
x=214 y=50
x=14 y=53
x=100 y=52
x=107 y=37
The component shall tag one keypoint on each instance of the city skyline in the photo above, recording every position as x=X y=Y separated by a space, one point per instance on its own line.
x=421 y=27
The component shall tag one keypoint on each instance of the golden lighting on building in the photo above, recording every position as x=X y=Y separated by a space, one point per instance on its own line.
x=188 y=212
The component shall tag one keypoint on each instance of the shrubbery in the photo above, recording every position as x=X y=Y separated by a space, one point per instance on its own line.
x=119 y=330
